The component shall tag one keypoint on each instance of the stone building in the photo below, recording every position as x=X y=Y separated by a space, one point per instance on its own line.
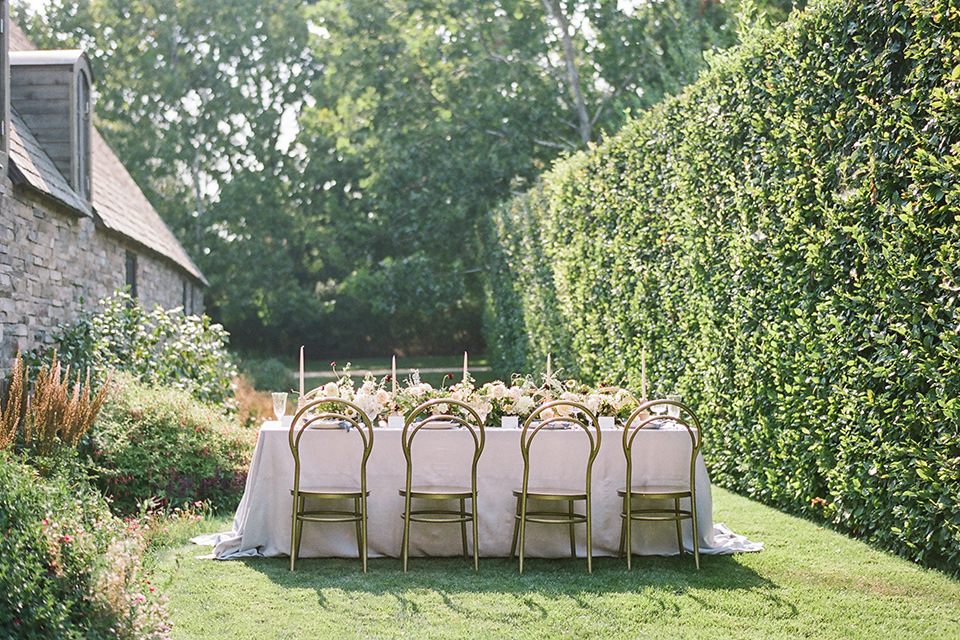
x=74 y=226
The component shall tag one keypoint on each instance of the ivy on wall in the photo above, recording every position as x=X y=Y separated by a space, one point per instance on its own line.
x=784 y=241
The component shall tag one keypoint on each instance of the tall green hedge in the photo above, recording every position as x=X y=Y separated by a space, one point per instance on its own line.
x=784 y=240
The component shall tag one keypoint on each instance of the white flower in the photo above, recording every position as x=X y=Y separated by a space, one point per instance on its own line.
x=418 y=390
x=382 y=396
x=523 y=405
x=331 y=390
x=592 y=402
x=498 y=390
x=483 y=409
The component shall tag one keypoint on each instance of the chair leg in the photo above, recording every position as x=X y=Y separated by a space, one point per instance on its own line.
x=676 y=507
x=406 y=532
x=358 y=515
x=476 y=545
x=623 y=529
x=523 y=528
x=363 y=532
x=463 y=526
x=573 y=533
x=696 y=536
x=516 y=532
x=589 y=536
x=293 y=535
x=628 y=538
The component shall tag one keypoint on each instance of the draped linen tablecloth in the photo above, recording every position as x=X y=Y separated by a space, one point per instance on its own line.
x=262 y=523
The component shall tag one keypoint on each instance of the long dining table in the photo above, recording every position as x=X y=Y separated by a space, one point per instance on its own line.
x=262 y=524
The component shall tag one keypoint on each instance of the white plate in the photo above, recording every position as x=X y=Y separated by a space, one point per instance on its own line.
x=326 y=424
x=440 y=424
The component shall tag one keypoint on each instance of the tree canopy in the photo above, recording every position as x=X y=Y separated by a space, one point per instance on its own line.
x=329 y=165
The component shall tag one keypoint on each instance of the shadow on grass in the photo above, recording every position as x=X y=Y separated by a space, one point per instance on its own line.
x=658 y=581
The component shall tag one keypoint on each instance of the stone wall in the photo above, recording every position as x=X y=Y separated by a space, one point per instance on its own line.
x=54 y=262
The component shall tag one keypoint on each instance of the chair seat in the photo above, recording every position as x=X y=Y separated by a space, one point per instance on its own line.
x=657 y=490
x=439 y=492
x=331 y=492
x=548 y=493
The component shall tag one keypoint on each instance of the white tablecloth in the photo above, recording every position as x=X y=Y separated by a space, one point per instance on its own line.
x=262 y=522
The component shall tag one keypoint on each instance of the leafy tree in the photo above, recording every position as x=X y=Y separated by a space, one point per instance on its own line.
x=429 y=112
x=412 y=119
x=197 y=97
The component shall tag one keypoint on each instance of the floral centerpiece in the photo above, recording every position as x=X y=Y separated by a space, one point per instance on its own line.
x=492 y=401
x=371 y=396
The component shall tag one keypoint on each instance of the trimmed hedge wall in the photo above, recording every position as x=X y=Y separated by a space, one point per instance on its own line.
x=784 y=239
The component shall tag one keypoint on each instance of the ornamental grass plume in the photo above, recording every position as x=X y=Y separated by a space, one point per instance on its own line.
x=14 y=403
x=56 y=416
x=46 y=409
x=81 y=412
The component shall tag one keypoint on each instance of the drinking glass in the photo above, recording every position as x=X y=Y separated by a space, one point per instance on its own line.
x=672 y=410
x=279 y=405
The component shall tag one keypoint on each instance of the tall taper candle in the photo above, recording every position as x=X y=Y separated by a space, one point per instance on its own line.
x=464 y=366
x=549 y=375
x=643 y=373
x=393 y=378
x=301 y=372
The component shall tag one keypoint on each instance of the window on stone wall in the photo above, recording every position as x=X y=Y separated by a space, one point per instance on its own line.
x=132 y=273
x=83 y=135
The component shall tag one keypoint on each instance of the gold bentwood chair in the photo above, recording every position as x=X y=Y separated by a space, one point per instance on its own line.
x=322 y=411
x=460 y=415
x=550 y=415
x=642 y=418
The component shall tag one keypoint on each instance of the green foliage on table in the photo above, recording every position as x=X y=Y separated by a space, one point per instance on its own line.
x=783 y=239
x=162 y=346
x=161 y=444
x=68 y=568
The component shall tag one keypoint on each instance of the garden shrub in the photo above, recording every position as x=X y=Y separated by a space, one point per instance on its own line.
x=268 y=375
x=783 y=239
x=162 y=346
x=68 y=568
x=160 y=444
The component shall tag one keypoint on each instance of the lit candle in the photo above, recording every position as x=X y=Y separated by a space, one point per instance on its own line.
x=393 y=378
x=643 y=374
x=301 y=372
x=464 y=366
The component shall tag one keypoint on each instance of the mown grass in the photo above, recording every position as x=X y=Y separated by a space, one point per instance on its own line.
x=810 y=582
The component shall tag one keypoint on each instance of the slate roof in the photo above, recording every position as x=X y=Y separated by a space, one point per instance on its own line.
x=117 y=200
x=120 y=203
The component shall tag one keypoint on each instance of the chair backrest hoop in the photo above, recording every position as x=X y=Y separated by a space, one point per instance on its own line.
x=468 y=418
x=325 y=409
x=587 y=422
x=641 y=418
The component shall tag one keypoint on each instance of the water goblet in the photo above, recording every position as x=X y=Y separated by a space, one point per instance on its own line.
x=279 y=405
x=672 y=410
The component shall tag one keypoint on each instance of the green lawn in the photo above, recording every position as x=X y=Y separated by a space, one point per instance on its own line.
x=808 y=583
